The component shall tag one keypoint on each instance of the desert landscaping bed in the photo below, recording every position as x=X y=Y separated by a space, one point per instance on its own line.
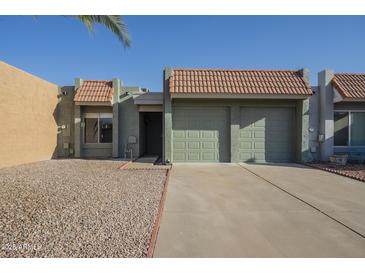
x=354 y=171
x=77 y=208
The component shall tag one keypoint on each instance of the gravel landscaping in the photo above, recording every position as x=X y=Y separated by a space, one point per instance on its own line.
x=77 y=208
x=354 y=171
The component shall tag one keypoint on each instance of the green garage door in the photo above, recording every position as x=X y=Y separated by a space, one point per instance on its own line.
x=267 y=134
x=200 y=134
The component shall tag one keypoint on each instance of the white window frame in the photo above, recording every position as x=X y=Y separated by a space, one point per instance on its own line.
x=349 y=128
x=98 y=116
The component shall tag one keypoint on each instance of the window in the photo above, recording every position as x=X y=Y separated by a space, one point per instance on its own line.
x=358 y=128
x=106 y=130
x=91 y=130
x=98 y=128
x=349 y=128
x=341 y=136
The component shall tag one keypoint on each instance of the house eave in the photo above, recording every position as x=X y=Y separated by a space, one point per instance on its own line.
x=353 y=100
x=236 y=96
x=93 y=104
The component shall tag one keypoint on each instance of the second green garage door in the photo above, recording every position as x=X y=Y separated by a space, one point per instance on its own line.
x=266 y=134
x=200 y=134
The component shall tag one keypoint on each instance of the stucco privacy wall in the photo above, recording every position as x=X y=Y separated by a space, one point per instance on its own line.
x=28 y=117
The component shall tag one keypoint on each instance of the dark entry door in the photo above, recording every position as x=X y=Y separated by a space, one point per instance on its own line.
x=153 y=126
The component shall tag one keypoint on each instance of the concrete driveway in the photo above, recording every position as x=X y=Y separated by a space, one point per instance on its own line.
x=228 y=210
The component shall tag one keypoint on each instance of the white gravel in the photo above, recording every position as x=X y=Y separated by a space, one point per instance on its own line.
x=77 y=208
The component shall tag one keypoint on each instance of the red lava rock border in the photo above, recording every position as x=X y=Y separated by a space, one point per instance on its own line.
x=124 y=165
x=338 y=172
x=156 y=225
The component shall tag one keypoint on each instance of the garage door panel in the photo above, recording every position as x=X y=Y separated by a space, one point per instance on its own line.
x=258 y=134
x=205 y=133
x=179 y=134
x=208 y=156
x=208 y=134
x=269 y=133
x=245 y=145
x=246 y=134
x=193 y=156
x=209 y=145
x=180 y=145
x=194 y=145
x=259 y=145
x=193 y=134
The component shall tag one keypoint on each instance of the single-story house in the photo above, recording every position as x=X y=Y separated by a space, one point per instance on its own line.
x=203 y=115
x=216 y=115
x=341 y=109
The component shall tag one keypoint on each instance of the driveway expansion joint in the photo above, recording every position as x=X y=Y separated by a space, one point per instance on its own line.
x=303 y=201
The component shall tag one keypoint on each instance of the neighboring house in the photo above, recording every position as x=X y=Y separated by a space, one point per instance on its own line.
x=236 y=115
x=341 y=124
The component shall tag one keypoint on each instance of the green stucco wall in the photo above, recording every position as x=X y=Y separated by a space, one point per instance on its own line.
x=302 y=130
x=167 y=120
x=129 y=124
x=65 y=117
x=116 y=96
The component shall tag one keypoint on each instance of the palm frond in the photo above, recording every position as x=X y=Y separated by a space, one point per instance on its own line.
x=112 y=22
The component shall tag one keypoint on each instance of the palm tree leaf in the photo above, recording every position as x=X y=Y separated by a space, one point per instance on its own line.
x=112 y=22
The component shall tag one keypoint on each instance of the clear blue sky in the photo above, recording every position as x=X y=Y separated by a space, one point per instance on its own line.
x=58 y=48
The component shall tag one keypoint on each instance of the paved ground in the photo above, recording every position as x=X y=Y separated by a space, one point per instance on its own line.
x=342 y=198
x=223 y=210
x=77 y=208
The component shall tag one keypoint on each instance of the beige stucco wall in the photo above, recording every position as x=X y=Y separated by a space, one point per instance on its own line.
x=28 y=128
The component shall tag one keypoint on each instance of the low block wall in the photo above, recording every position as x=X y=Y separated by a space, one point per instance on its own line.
x=28 y=127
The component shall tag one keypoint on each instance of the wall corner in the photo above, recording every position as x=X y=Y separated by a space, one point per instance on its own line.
x=304 y=129
x=326 y=124
x=167 y=118
x=77 y=131
x=305 y=74
x=117 y=86
x=235 y=133
x=78 y=82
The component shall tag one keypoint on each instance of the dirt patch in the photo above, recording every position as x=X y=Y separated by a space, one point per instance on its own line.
x=77 y=208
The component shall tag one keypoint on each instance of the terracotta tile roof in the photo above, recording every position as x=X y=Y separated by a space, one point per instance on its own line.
x=350 y=85
x=95 y=91
x=284 y=82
